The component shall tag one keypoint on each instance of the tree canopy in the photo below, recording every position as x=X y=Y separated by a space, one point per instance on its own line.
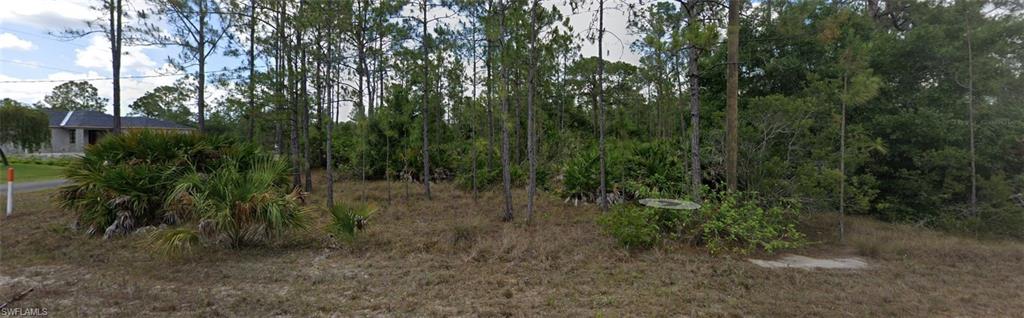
x=75 y=95
x=22 y=126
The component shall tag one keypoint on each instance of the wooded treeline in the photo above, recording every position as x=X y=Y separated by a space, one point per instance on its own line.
x=906 y=110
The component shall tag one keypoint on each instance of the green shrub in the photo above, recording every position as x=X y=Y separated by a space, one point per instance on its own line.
x=632 y=226
x=653 y=170
x=725 y=223
x=38 y=160
x=238 y=206
x=736 y=222
x=580 y=175
x=230 y=190
x=632 y=170
x=348 y=219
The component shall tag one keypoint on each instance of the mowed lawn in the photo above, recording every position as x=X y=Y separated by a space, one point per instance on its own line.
x=31 y=172
x=451 y=256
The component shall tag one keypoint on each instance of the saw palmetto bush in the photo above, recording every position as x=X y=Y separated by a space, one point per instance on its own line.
x=632 y=171
x=114 y=199
x=238 y=205
x=348 y=219
x=122 y=182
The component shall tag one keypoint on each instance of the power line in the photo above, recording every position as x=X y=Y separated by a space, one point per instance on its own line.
x=36 y=65
x=43 y=37
x=104 y=78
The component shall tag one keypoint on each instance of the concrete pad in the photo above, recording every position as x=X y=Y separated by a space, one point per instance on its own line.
x=804 y=262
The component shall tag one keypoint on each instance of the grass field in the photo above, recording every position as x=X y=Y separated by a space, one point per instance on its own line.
x=452 y=257
x=31 y=172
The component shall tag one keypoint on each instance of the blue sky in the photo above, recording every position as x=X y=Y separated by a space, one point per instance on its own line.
x=33 y=61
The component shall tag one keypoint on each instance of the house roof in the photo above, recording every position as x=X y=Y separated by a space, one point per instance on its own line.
x=95 y=119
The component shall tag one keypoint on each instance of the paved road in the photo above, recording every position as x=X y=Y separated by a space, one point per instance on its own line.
x=32 y=186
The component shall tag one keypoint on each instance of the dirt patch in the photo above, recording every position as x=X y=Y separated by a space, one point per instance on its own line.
x=804 y=262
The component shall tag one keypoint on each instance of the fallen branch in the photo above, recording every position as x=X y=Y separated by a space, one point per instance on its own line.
x=16 y=298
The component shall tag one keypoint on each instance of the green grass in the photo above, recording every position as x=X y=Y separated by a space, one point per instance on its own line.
x=30 y=172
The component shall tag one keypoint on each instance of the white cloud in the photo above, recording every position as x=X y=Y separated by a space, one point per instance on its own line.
x=97 y=55
x=11 y=41
x=53 y=15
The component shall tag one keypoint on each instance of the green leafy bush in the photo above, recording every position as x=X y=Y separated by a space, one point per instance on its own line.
x=653 y=170
x=230 y=190
x=348 y=219
x=632 y=226
x=725 y=223
x=633 y=170
x=736 y=222
x=580 y=173
x=236 y=205
x=39 y=160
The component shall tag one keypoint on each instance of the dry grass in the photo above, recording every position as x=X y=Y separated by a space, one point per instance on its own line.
x=452 y=257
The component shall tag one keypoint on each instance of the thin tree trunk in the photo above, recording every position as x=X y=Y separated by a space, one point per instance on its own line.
x=531 y=140
x=201 y=47
x=115 y=54
x=330 y=136
x=305 y=123
x=252 y=71
x=842 y=159
x=387 y=165
x=473 y=115
x=970 y=120
x=732 y=96
x=294 y=106
x=279 y=84
x=426 y=107
x=506 y=175
x=600 y=105
x=489 y=64
x=694 y=76
x=382 y=72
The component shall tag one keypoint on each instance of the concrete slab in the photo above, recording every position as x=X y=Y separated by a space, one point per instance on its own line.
x=804 y=262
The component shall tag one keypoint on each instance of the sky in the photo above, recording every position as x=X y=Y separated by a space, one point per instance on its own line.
x=34 y=59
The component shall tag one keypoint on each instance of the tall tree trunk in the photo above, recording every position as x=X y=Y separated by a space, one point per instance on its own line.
x=694 y=76
x=970 y=118
x=842 y=158
x=252 y=72
x=381 y=74
x=488 y=85
x=279 y=84
x=306 y=165
x=201 y=77
x=473 y=114
x=293 y=105
x=732 y=96
x=115 y=57
x=363 y=63
x=426 y=105
x=294 y=131
x=329 y=134
x=600 y=105
x=506 y=175
x=531 y=140
x=362 y=74
x=517 y=149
